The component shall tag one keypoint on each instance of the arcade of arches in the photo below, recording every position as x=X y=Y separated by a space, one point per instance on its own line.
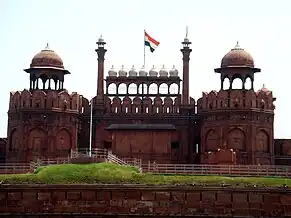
x=237 y=141
x=38 y=143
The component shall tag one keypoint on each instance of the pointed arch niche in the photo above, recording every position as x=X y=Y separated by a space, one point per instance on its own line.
x=236 y=140
x=14 y=140
x=262 y=141
x=36 y=139
x=211 y=140
x=63 y=140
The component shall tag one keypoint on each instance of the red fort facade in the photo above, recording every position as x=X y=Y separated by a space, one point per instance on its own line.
x=145 y=114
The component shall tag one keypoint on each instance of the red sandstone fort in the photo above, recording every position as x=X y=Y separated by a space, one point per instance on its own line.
x=144 y=114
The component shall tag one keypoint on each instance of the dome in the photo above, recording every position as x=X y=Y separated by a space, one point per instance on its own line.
x=122 y=72
x=173 y=71
x=153 y=72
x=142 y=72
x=163 y=72
x=237 y=57
x=112 y=72
x=132 y=72
x=47 y=58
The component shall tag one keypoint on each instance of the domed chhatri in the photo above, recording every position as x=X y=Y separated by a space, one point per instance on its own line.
x=47 y=58
x=264 y=89
x=122 y=71
x=237 y=57
x=163 y=72
x=132 y=72
x=112 y=72
x=143 y=72
x=173 y=71
x=153 y=72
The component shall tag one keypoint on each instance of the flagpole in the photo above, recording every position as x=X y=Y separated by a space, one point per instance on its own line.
x=144 y=49
x=91 y=125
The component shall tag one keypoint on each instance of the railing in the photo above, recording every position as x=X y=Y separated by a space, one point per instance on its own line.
x=113 y=159
x=158 y=168
x=230 y=170
x=133 y=161
x=14 y=168
x=98 y=153
x=54 y=161
x=95 y=153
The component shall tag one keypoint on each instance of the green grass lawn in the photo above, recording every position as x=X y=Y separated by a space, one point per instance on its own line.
x=106 y=173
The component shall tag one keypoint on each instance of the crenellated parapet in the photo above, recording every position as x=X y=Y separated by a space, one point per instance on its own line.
x=147 y=105
x=52 y=100
x=236 y=100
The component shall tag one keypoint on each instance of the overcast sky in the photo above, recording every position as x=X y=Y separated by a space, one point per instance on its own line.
x=72 y=27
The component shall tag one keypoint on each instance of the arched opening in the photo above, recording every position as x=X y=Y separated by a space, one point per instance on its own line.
x=174 y=89
x=122 y=89
x=237 y=83
x=248 y=83
x=43 y=82
x=143 y=89
x=163 y=89
x=226 y=83
x=54 y=82
x=132 y=89
x=153 y=89
x=112 y=89
x=39 y=83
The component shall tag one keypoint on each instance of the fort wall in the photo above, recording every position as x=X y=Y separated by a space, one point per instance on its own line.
x=140 y=200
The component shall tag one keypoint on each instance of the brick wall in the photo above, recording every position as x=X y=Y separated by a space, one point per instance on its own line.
x=138 y=200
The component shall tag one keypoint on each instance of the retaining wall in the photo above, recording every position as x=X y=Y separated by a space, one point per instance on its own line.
x=140 y=201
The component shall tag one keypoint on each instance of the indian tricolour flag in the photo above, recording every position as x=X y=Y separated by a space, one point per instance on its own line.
x=150 y=42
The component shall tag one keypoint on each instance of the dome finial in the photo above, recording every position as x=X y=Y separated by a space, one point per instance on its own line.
x=237 y=45
x=47 y=46
x=101 y=41
x=100 y=38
